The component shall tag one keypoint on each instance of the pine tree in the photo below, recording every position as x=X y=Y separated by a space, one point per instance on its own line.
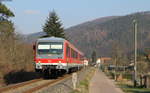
x=53 y=26
x=94 y=57
x=6 y=26
x=5 y=13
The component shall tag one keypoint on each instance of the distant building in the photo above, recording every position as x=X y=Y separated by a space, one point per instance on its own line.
x=106 y=60
x=98 y=61
x=86 y=62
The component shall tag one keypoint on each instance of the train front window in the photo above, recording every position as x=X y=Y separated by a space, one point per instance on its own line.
x=50 y=48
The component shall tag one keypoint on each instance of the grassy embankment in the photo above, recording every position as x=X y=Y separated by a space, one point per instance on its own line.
x=127 y=87
x=126 y=83
x=83 y=86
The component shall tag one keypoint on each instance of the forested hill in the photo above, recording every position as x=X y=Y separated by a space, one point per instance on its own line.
x=101 y=34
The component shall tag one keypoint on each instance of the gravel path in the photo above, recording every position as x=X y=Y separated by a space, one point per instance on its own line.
x=101 y=84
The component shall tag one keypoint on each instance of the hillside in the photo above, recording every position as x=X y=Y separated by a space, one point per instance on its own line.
x=102 y=33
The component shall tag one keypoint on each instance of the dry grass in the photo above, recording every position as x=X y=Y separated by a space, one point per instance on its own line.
x=14 y=55
x=127 y=87
x=83 y=87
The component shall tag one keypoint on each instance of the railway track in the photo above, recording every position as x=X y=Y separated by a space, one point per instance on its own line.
x=32 y=87
x=20 y=88
x=50 y=83
x=19 y=85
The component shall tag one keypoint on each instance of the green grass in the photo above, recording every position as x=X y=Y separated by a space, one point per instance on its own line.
x=84 y=83
x=130 y=89
x=137 y=90
x=126 y=86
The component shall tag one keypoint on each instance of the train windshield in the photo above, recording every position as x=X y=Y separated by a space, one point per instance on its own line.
x=50 y=48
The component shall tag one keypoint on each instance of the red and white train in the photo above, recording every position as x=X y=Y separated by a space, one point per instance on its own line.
x=53 y=55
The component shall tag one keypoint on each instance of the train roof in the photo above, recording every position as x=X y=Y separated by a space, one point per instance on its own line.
x=51 y=39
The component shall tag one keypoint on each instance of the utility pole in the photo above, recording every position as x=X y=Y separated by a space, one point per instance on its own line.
x=135 y=52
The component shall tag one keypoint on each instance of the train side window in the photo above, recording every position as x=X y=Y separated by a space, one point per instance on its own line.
x=79 y=56
x=68 y=51
x=71 y=53
x=76 y=56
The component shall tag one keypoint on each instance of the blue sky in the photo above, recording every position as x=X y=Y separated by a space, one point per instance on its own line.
x=30 y=15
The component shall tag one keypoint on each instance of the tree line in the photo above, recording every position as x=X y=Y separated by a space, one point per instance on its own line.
x=15 y=55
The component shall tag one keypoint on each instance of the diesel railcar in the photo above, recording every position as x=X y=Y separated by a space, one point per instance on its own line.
x=53 y=55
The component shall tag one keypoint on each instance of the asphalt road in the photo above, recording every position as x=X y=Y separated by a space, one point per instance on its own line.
x=101 y=84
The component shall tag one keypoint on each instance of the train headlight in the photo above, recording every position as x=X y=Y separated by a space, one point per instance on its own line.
x=39 y=61
x=59 y=61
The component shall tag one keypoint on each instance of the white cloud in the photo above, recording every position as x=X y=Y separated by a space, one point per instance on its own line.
x=31 y=12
